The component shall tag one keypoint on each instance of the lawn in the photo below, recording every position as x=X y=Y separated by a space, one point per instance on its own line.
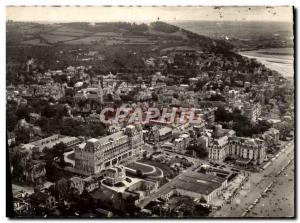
x=71 y=156
x=168 y=172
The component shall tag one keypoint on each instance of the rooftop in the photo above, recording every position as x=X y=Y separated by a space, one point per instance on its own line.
x=50 y=141
x=164 y=130
x=198 y=182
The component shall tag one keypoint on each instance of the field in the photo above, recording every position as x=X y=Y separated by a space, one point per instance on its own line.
x=56 y=38
x=70 y=31
x=36 y=42
x=107 y=34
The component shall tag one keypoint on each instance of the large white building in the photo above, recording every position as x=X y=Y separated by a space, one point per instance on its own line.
x=245 y=150
x=252 y=111
x=96 y=154
x=51 y=141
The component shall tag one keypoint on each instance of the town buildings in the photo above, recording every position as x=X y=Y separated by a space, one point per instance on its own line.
x=51 y=141
x=33 y=170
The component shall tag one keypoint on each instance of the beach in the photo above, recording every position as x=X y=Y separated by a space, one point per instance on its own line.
x=278 y=59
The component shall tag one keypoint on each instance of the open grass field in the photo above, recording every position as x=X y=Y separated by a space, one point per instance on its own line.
x=166 y=169
x=85 y=40
x=63 y=30
x=56 y=38
x=35 y=42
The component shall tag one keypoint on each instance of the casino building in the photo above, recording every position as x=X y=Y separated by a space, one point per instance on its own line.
x=123 y=146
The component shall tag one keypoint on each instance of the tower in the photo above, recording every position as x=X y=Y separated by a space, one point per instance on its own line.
x=100 y=92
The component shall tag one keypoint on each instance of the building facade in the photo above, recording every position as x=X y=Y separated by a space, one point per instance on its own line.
x=252 y=111
x=243 y=149
x=250 y=149
x=97 y=154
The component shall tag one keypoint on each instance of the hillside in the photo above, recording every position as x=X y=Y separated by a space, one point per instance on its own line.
x=157 y=34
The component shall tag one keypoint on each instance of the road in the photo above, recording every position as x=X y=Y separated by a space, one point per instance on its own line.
x=255 y=186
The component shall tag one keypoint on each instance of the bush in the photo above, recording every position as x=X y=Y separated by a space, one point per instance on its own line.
x=164 y=27
x=139 y=173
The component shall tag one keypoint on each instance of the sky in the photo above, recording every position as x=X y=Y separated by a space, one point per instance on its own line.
x=148 y=13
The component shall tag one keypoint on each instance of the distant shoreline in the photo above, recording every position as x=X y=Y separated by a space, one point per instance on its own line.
x=275 y=59
x=264 y=50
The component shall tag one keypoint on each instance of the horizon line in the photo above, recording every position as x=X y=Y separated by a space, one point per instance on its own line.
x=143 y=21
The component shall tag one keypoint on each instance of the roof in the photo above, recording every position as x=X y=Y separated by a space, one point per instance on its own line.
x=112 y=137
x=90 y=179
x=164 y=130
x=78 y=84
x=247 y=141
x=76 y=179
x=198 y=182
x=50 y=141
x=103 y=211
x=272 y=130
x=111 y=170
x=168 y=144
x=94 y=143
x=221 y=141
x=184 y=135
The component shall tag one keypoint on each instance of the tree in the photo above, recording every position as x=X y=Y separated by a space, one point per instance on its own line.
x=52 y=173
x=23 y=113
x=15 y=162
x=223 y=115
x=200 y=151
x=62 y=189
x=285 y=130
x=145 y=154
x=58 y=151
x=154 y=96
x=22 y=136
x=202 y=200
x=139 y=173
x=11 y=119
x=130 y=206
